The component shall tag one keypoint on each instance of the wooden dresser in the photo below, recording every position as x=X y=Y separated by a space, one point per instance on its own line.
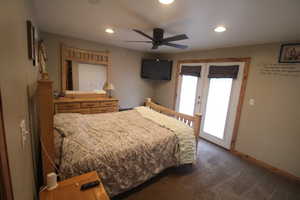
x=86 y=105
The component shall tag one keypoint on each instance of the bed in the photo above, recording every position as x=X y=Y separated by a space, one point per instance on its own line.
x=125 y=148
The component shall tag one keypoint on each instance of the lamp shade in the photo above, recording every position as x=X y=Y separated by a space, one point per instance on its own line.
x=108 y=86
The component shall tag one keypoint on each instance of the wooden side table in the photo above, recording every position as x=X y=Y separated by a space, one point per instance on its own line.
x=70 y=189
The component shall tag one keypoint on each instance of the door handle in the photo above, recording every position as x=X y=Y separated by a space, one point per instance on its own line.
x=199 y=101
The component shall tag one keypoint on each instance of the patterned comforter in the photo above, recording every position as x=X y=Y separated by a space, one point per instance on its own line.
x=125 y=148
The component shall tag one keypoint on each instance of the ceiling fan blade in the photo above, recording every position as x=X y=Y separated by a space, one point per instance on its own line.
x=179 y=46
x=143 y=34
x=175 y=38
x=140 y=41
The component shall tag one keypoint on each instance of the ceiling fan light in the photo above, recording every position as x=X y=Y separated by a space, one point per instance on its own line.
x=166 y=1
x=220 y=29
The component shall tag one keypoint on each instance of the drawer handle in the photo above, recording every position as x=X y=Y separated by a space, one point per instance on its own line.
x=109 y=103
x=68 y=106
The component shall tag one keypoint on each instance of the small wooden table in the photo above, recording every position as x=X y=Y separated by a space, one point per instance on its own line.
x=70 y=189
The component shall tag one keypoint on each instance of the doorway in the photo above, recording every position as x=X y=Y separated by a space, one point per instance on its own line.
x=213 y=89
x=5 y=179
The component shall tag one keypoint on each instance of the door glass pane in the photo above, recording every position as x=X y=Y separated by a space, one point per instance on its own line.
x=217 y=106
x=188 y=94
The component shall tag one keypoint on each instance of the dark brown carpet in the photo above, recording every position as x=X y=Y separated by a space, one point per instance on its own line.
x=218 y=175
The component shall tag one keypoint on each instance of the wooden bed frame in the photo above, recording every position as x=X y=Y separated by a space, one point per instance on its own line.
x=46 y=127
x=192 y=121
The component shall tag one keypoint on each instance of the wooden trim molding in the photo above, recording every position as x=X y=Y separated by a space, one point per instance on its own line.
x=178 y=68
x=82 y=56
x=4 y=164
x=267 y=166
x=242 y=92
x=240 y=104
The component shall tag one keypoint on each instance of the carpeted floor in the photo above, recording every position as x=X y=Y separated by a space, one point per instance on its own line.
x=218 y=175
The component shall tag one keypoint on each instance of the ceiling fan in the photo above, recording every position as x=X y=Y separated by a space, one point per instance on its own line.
x=159 y=40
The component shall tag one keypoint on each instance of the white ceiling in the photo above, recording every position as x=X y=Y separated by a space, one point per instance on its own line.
x=247 y=21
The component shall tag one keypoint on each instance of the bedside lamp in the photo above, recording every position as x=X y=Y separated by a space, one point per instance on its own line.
x=108 y=87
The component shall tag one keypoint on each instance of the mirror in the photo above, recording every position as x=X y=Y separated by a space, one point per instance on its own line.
x=85 y=77
x=84 y=71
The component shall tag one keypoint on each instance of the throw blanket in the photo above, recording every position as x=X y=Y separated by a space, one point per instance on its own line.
x=185 y=134
x=125 y=148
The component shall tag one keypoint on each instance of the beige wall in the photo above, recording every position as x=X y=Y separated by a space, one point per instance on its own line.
x=270 y=130
x=16 y=76
x=131 y=90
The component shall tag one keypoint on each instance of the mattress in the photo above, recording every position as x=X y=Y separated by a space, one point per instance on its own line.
x=125 y=148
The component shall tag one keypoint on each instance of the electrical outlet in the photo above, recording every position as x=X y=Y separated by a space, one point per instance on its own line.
x=24 y=132
x=251 y=102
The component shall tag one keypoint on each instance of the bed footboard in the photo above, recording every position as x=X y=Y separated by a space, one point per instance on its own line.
x=192 y=121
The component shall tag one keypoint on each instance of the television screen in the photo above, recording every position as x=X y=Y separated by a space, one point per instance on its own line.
x=156 y=69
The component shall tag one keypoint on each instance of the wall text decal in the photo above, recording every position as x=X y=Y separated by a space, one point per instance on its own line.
x=277 y=69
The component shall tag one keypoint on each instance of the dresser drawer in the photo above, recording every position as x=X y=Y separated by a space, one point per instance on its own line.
x=109 y=103
x=82 y=111
x=103 y=110
x=96 y=110
x=66 y=106
x=86 y=105
x=85 y=111
x=112 y=110
x=90 y=104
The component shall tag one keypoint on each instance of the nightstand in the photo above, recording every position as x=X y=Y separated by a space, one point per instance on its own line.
x=70 y=189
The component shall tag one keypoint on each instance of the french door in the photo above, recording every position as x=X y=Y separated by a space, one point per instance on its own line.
x=215 y=96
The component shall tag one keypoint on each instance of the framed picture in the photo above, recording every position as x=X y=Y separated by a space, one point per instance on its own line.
x=30 y=39
x=35 y=47
x=290 y=53
x=31 y=42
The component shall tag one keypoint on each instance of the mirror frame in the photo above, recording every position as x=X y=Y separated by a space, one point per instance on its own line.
x=82 y=56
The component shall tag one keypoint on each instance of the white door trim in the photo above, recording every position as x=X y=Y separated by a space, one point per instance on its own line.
x=233 y=106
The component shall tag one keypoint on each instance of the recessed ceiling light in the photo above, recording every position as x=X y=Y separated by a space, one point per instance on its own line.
x=166 y=1
x=109 y=30
x=220 y=29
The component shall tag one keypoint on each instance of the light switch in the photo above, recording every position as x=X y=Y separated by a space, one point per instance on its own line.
x=251 y=102
x=24 y=132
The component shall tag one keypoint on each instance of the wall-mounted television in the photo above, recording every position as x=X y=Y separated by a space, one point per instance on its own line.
x=156 y=69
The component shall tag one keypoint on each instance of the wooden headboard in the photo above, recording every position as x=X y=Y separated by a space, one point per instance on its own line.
x=45 y=115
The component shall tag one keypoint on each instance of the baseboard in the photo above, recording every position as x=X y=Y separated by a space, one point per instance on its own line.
x=267 y=166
